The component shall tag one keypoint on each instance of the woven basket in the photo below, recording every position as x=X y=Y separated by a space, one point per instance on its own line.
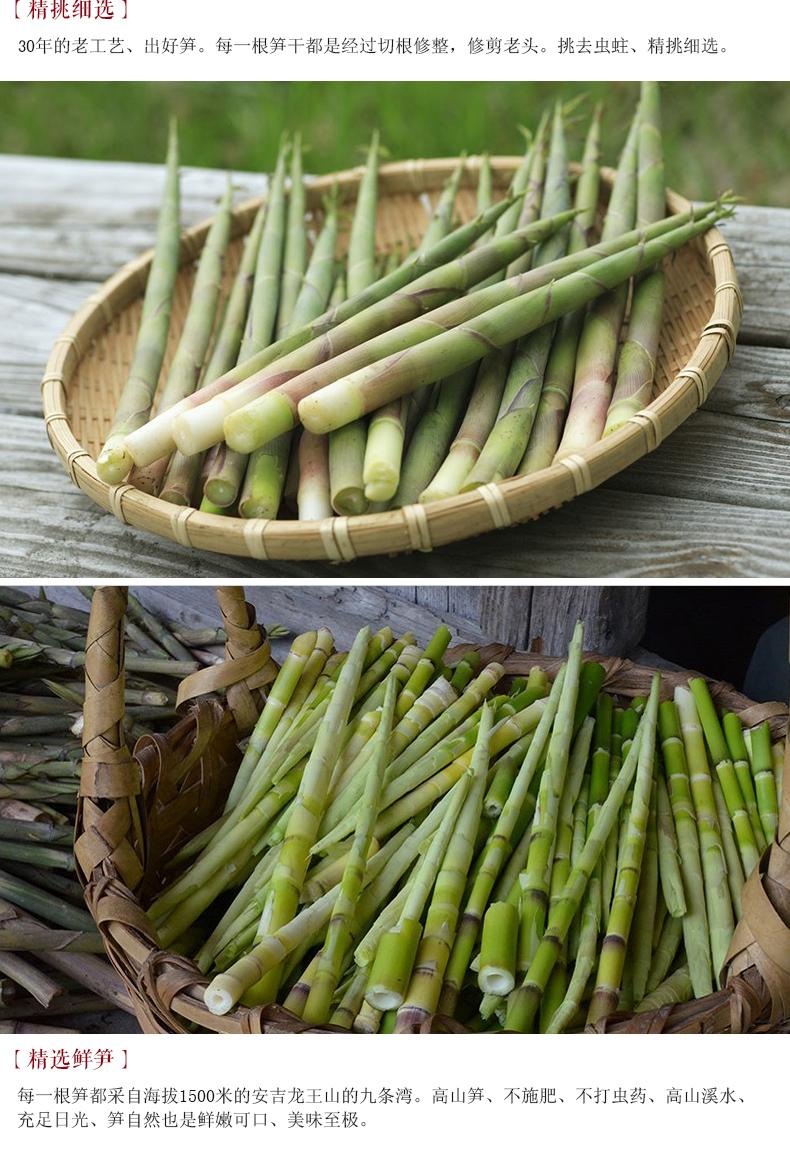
x=135 y=813
x=88 y=366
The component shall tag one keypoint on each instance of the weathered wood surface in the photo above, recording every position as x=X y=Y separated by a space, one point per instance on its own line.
x=712 y=501
x=540 y=617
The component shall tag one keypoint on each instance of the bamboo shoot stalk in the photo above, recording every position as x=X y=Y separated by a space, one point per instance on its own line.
x=231 y=873
x=368 y=1021
x=733 y=731
x=571 y=824
x=384 y=451
x=295 y=249
x=735 y=875
x=425 y=985
x=231 y=335
x=156 y=438
x=313 y=496
x=262 y=314
x=577 y=763
x=347 y=448
x=401 y=670
x=271 y=949
x=696 y=935
x=329 y=873
x=438 y=696
x=668 y=857
x=721 y=923
x=12 y=829
x=485 y=186
x=675 y=989
x=339 y=933
x=636 y=368
x=495 y=855
x=351 y=1001
x=585 y=960
x=666 y=949
x=397 y=949
x=37 y=983
x=46 y=856
x=261 y=490
x=764 y=780
x=597 y=348
x=504 y=775
x=316 y=290
x=778 y=756
x=52 y=909
x=223 y=470
x=249 y=905
x=440 y=764
x=244 y=414
x=193 y=885
x=134 y=405
x=497 y=967
x=528 y=184
x=441 y=218
x=372 y=386
x=660 y=916
x=507 y=440
x=546 y=431
x=365 y=951
x=432 y=436
x=644 y=913
x=276 y=701
x=297 y=996
x=436 y=772
x=189 y=358
x=536 y=880
x=449 y=720
x=725 y=772
x=524 y=1002
x=305 y=818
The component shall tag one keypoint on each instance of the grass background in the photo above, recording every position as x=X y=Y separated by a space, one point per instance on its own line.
x=718 y=135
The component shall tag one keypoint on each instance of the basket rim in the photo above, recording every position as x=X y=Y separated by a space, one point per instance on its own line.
x=415 y=527
x=186 y=983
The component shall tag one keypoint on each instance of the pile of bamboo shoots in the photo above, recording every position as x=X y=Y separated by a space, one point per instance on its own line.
x=344 y=381
x=50 y=964
x=405 y=838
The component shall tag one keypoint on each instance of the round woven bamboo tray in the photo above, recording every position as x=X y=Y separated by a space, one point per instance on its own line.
x=134 y=814
x=88 y=365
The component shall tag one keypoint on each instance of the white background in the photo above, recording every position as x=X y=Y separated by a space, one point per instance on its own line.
x=751 y=35
x=672 y=1137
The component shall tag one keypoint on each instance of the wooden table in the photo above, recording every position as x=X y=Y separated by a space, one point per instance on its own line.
x=714 y=500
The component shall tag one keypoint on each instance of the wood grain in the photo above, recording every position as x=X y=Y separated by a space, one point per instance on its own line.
x=523 y=616
x=713 y=500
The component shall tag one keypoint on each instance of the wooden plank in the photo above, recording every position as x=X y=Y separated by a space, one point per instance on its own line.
x=755 y=384
x=760 y=242
x=344 y=610
x=508 y=613
x=78 y=219
x=719 y=457
x=609 y=532
x=81 y=220
x=614 y=617
x=714 y=459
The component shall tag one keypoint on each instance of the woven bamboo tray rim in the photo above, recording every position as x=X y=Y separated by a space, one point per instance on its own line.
x=166 y=988
x=416 y=527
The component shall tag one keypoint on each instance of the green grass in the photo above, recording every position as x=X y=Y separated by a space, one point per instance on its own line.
x=718 y=135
